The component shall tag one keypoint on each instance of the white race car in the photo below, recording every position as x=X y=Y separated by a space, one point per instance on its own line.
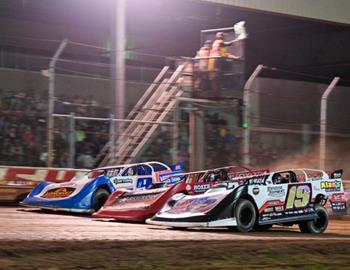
x=295 y=196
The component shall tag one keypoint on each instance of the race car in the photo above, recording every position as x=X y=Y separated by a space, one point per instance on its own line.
x=88 y=193
x=339 y=202
x=16 y=190
x=139 y=205
x=295 y=196
x=17 y=182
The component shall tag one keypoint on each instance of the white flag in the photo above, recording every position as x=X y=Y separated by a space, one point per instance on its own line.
x=240 y=30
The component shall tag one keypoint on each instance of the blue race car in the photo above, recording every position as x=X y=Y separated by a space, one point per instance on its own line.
x=87 y=193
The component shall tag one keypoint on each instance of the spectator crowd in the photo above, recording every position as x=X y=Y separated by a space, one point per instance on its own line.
x=23 y=125
x=23 y=136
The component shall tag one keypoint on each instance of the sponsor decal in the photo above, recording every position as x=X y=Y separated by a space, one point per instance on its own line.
x=276 y=191
x=338 y=197
x=195 y=205
x=331 y=185
x=256 y=180
x=113 y=172
x=137 y=198
x=21 y=183
x=172 y=180
x=338 y=206
x=337 y=175
x=275 y=202
x=279 y=208
x=256 y=191
x=314 y=175
x=278 y=213
x=248 y=174
x=268 y=210
x=201 y=188
x=188 y=187
x=58 y=193
x=123 y=181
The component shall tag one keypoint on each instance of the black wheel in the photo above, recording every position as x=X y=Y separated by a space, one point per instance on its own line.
x=245 y=214
x=303 y=227
x=263 y=228
x=21 y=197
x=317 y=225
x=232 y=228
x=179 y=228
x=100 y=197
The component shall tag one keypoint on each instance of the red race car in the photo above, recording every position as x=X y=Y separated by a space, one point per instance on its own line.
x=142 y=204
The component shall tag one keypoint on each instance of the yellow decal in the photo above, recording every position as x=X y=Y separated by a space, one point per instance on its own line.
x=298 y=196
x=58 y=193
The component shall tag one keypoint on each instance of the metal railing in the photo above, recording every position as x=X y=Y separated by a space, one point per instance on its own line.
x=94 y=127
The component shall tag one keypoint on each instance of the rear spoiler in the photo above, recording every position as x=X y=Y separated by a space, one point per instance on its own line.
x=336 y=174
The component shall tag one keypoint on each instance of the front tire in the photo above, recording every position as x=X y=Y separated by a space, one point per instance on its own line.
x=100 y=197
x=179 y=228
x=245 y=214
x=317 y=225
x=263 y=228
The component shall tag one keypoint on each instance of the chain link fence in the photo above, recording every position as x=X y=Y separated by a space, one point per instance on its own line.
x=285 y=123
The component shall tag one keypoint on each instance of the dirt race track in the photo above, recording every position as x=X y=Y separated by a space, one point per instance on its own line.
x=34 y=239
x=31 y=224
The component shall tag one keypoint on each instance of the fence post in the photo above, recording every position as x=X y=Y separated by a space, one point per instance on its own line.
x=323 y=122
x=51 y=105
x=176 y=132
x=306 y=137
x=246 y=114
x=72 y=140
x=192 y=139
x=112 y=152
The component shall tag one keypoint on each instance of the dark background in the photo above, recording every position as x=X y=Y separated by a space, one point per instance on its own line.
x=172 y=28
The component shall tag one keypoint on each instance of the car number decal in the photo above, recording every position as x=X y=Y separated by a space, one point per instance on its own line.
x=299 y=196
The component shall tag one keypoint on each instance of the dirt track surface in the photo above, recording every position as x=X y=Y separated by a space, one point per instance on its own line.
x=174 y=255
x=36 y=225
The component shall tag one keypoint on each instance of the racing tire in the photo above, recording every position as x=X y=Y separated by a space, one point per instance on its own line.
x=232 y=228
x=179 y=228
x=21 y=197
x=263 y=228
x=100 y=197
x=317 y=225
x=245 y=213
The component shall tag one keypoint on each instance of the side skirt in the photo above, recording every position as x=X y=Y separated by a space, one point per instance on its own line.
x=74 y=210
x=217 y=223
x=289 y=219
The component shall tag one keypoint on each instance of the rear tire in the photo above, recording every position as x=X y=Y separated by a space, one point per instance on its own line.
x=245 y=214
x=317 y=225
x=100 y=197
